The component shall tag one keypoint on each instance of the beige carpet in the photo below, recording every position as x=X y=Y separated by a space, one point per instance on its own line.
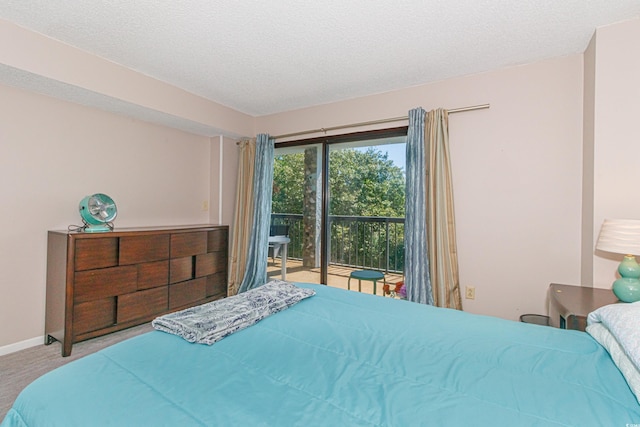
x=19 y=369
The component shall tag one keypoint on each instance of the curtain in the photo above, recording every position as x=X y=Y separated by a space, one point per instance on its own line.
x=243 y=217
x=416 y=264
x=443 y=256
x=255 y=273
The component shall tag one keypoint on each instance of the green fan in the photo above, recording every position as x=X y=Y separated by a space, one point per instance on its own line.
x=97 y=212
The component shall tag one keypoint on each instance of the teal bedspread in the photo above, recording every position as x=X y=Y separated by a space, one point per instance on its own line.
x=342 y=358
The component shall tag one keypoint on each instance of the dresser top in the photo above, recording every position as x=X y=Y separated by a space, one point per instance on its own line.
x=142 y=230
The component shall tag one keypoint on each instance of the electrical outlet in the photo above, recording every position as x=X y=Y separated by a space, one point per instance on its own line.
x=205 y=206
x=470 y=292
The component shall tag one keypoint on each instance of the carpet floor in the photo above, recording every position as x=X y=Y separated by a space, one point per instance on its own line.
x=19 y=369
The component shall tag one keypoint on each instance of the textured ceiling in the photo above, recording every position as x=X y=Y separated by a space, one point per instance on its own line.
x=263 y=57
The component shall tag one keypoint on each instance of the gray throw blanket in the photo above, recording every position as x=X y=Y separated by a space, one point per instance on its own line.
x=210 y=322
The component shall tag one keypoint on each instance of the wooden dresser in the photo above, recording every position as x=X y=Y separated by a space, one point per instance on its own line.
x=99 y=283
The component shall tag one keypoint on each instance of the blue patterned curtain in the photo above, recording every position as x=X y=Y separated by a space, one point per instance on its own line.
x=256 y=271
x=416 y=264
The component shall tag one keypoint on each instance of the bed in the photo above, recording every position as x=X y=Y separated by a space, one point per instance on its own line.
x=341 y=358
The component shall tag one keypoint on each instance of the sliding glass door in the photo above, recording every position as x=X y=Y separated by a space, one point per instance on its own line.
x=297 y=213
x=340 y=203
x=366 y=211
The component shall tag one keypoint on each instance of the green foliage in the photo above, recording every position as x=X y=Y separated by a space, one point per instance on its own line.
x=362 y=183
x=288 y=181
x=365 y=184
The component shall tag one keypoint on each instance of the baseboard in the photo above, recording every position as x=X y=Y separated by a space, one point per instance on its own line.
x=12 y=348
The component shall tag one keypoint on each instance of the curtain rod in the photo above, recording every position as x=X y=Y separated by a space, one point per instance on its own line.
x=374 y=122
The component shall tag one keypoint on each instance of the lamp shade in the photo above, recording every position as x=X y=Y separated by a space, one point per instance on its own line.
x=620 y=236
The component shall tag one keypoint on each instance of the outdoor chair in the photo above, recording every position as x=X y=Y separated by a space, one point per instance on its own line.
x=277 y=230
x=370 y=275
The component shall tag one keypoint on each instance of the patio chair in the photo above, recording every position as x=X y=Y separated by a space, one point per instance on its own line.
x=277 y=230
x=369 y=275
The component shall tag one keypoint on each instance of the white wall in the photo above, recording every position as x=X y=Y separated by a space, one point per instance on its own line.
x=517 y=171
x=29 y=59
x=586 y=268
x=224 y=166
x=517 y=186
x=616 y=135
x=53 y=153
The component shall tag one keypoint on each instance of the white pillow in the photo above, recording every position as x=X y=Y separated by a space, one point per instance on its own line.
x=601 y=334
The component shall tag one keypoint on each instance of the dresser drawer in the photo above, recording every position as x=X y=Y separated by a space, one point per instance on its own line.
x=217 y=241
x=142 y=304
x=139 y=249
x=186 y=244
x=94 y=315
x=153 y=274
x=105 y=282
x=217 y=285
x=185 y=293
x=180 y=269
x=96 y=253
x=211 y=263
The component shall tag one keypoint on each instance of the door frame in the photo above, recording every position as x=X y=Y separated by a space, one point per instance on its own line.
x=326 y=142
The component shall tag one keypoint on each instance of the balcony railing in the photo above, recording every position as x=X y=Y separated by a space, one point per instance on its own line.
x=355 y=241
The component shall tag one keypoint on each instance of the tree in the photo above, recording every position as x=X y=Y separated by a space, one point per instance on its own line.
x=288 y=180
x=365 y=183
x=362 y=183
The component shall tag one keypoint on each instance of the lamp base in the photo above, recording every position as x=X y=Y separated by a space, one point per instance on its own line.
x=627 y=290
x=627 y=287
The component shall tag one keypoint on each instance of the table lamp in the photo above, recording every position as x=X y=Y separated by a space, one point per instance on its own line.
x=622 y=236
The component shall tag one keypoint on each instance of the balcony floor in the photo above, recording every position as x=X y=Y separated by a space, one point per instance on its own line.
x=337 y=276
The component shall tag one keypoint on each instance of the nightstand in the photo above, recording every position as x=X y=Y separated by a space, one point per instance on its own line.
x=569 y=305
